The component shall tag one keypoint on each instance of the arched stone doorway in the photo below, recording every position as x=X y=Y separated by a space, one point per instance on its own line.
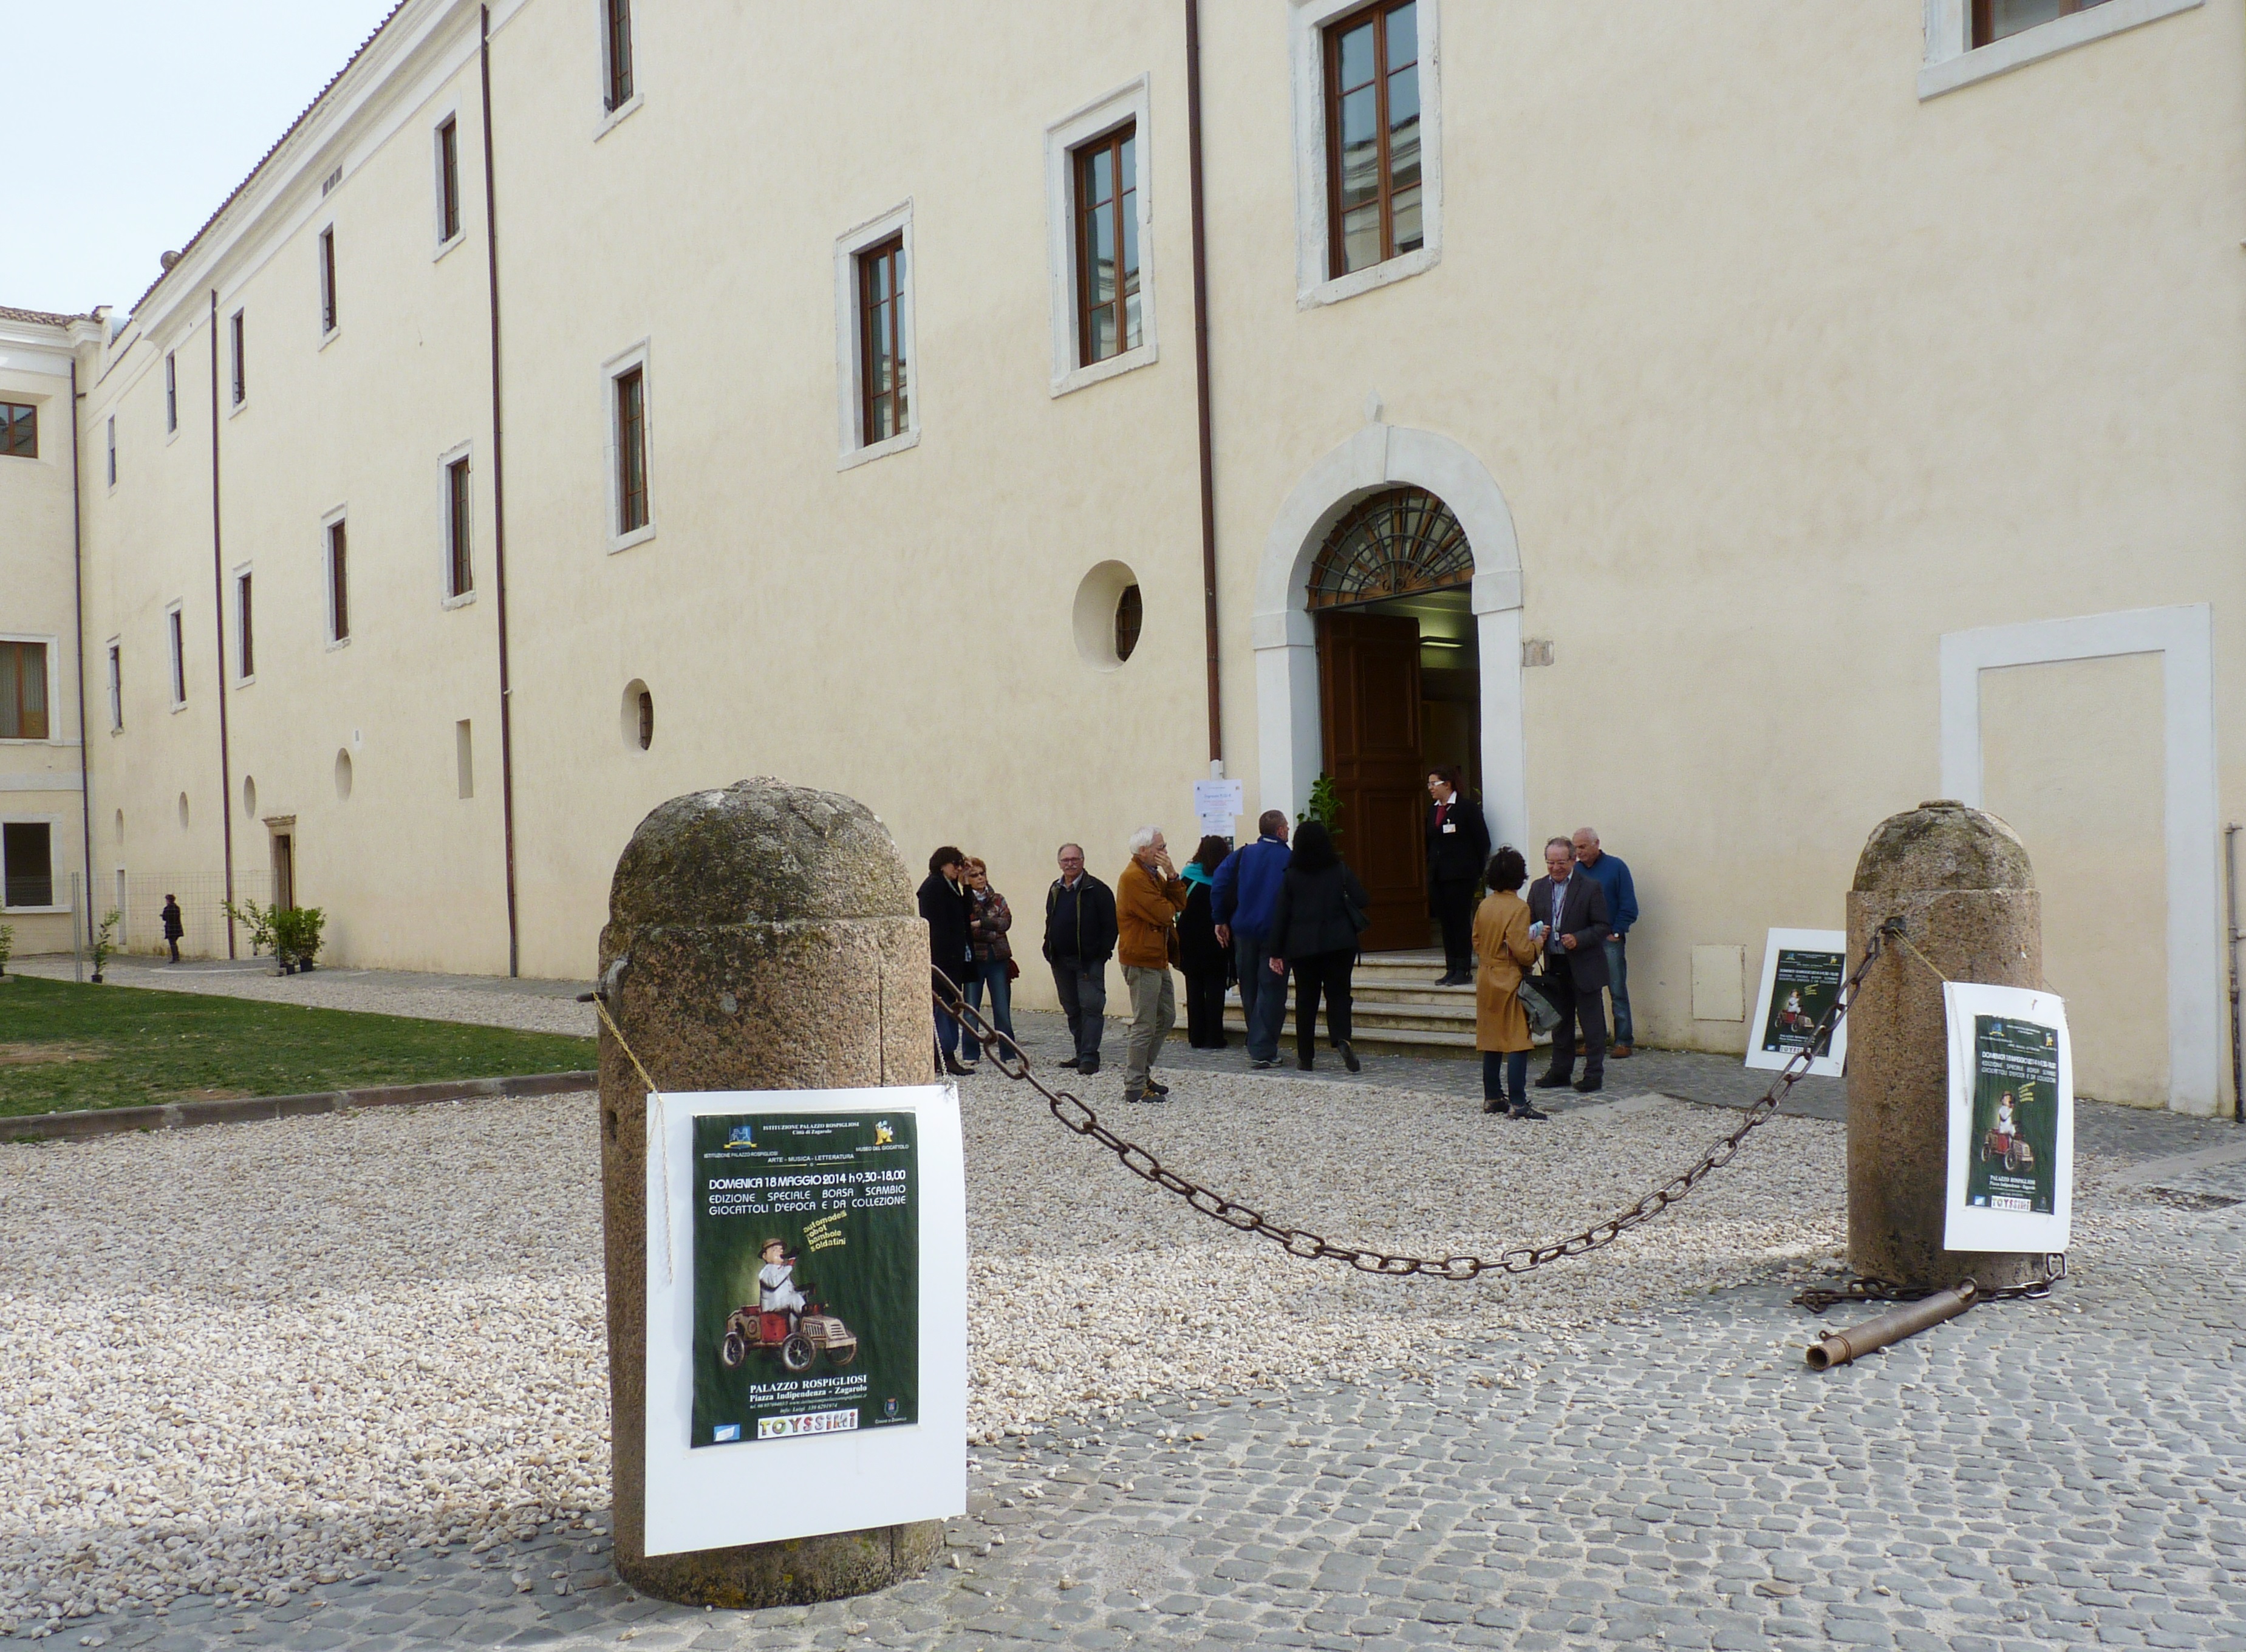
x=1395 y=532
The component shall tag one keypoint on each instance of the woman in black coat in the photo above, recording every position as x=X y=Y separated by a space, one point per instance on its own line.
x=1207 y=961
x=945 y=901
x=1321 y=911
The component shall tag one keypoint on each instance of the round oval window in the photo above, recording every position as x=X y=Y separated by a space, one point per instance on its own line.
x=637 y=715
x=1109 y=613
x=343 y=775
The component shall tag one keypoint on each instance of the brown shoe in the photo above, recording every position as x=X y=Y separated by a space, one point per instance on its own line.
x=1622 y=1052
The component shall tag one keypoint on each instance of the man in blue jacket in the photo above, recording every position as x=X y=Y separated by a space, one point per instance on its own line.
x=1246 y=889
x=1613 y=879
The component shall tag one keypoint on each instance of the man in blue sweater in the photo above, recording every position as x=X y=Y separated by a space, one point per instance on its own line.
x=1613 y=877
x=1246 y=889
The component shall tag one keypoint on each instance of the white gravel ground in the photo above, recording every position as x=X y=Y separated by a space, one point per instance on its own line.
x=256 y=1358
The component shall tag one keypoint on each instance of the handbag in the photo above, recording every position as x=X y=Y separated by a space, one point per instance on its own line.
x=1543 y=1014
x=1013 y=970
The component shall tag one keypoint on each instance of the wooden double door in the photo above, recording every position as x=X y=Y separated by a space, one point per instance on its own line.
x=1370 y=687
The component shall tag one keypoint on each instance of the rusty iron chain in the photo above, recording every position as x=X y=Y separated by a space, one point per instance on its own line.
x=1866 y=1289
x=1078 y=1117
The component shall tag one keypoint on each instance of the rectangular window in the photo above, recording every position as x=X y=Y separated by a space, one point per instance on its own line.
x=245 y=632
x=1107 y=245
x=27 y=863
x=240 y=378
x=459 y=577
x=19 y=430
x=631 y=451
x=338 y=584
x=23 y=691
x=464 y=754
x=1372 y=136
x=882 y=369
x=616 y=48
x=327 y=311
x=112 y=449
x=171 y=393
x=1994 y=19
x=116 y=687
x=179 y=656
x=448 y=180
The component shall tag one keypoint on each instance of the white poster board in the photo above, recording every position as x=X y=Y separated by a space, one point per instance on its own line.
x=1802 y=970
x=1218 y=806
x=774 y=1488
x=2012 y=1119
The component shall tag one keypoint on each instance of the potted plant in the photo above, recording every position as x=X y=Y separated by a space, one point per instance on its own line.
x=105 y=943
x=260 y=921
x=296 y=937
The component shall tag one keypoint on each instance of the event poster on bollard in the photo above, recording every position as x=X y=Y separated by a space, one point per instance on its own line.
x=807 y=1314
x=2012 y=1119
x=1802 y=970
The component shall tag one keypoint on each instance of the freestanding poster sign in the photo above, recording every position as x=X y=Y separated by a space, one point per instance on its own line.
x=2012 y=1119
x=1802 y=970
x=807 y=1314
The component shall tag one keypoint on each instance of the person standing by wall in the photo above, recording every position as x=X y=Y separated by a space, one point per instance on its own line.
x=1207 y=961
x=1080 y=939
x=944 y=902
x=1568 y=914
x=988 y=920
x=1614 y=883
x=1314 y=924
x=1502 y=945
x=1241 y=900
x=1458 y=848
x=1148 y=897
x=173 y=926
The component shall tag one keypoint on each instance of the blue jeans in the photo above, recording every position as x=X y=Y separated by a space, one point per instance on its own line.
x=1263 y=997
x=1618 y=988
x=1505 y=1076
x=993 y=971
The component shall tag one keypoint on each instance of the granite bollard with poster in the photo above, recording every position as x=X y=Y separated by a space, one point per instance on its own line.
x=764 y=963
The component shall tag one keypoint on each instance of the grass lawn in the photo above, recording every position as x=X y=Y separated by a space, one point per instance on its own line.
x=65 y=1047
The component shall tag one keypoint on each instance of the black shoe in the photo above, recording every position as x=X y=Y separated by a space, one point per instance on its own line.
x=1553 y=1081
x=1088 y=1065
x=1262 y=1066
x=1493 y=1104
x=1070 y=1063
x=1349 y=1057
x=1586 y=1086
x=953 y=1067
x=1156 y=1087
x=1529 y=1113
x=1447 y=979
x=1303 y=1061
x=1135 y=1095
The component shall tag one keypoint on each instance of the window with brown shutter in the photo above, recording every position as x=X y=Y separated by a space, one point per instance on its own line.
x=338 y=586
x=883 y=371
x=241 y=365
x=448 y=180
x=245 y=633
x=1107 y=317
x=27 y=863
x=22 y=691
x=615 y=16
x=327 y=311
x=631 y=451
x=19 y=430
x=1372 y=136
x=459 y=576
x=1995 y=20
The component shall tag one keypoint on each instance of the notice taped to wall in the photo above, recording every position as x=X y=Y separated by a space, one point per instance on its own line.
x=2012 y=1119
x=806 y=1275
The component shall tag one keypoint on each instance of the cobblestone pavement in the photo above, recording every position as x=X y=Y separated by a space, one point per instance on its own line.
x=2035 y=1475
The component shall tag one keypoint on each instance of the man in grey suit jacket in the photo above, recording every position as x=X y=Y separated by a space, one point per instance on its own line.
x=1569 y=921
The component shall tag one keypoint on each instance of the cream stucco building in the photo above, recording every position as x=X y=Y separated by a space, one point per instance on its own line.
x=1723 y=424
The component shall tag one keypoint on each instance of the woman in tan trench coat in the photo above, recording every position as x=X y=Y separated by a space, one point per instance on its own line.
x=1501 y=943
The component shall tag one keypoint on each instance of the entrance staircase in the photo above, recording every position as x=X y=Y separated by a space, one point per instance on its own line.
x=1395 y=1006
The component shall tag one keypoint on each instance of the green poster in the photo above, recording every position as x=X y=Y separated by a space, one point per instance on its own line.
x=806 y=1275
x=2013 y=1146
x=1806 y=985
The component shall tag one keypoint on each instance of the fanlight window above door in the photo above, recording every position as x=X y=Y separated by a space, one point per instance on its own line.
x=1394 y=544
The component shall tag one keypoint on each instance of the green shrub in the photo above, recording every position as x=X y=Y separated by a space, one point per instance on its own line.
x=258 y=920
x=296 y=935
x=7 y=945
x=1325 y=806
x=105 y=941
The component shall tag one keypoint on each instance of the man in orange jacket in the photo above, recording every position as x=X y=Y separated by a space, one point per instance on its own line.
x=1148 y=897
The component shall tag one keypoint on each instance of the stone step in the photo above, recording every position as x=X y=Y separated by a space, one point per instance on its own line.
x=1400 y=1040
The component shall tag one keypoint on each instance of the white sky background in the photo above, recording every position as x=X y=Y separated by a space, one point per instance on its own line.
x=130 y=120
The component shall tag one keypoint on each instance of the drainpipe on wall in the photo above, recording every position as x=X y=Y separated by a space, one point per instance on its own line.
x=218 y=624
x=499 y=512
x=1201 y=387
x=77 y=598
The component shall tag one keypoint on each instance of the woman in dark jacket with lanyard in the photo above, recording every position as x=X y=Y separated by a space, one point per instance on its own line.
x=1320 y=912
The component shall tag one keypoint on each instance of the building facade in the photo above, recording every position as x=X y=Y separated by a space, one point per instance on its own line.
x=1721 y=426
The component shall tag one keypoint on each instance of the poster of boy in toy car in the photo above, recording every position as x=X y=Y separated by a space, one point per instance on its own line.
x=806 y=1270
x=2015 y=1116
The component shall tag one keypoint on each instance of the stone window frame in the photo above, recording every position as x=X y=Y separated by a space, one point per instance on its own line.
x=1953 y=61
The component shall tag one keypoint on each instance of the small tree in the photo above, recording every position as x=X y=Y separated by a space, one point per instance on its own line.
x=105 y=943
x=7 y=945
x=259 y=920
x=296 y=936
x=1325 y=806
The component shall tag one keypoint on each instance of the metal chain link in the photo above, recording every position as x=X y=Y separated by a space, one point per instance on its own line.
x=1079 y=1117
x=1818 y=1298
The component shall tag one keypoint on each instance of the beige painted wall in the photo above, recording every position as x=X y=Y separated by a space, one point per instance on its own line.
x=1782 y=373
x=2071 y=759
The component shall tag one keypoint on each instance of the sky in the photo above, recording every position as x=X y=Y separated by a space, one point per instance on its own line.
x=130 y=120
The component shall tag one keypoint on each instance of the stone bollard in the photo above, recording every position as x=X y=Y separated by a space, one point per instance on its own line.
x=1960 y=880
x=762 y=937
